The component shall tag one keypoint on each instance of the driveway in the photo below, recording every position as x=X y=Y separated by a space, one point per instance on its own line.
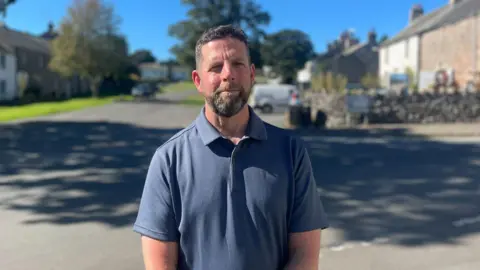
x=70 y=186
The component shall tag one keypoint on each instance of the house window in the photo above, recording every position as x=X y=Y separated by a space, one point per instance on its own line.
x=3 y=89
x=406 y=48
x=386 y=55
x=24 y=58
x=3 y=61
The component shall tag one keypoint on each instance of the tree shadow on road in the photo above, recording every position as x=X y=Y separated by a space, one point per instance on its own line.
x=408 y=192
x=71 y=172
x=411 y=192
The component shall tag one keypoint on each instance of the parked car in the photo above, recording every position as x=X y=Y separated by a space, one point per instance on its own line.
x=143 y=90
x=271 y=97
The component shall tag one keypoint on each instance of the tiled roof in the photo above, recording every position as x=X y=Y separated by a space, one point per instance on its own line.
x=354 y=48
x=445 y=15
x=4 y=47
x=12 y=38
x=419 y=25
x=462 y=10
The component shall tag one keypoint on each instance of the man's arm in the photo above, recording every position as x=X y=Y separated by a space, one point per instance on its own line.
x=156 y=222
x=308 y=216
x=304 y=250
x=159 y=255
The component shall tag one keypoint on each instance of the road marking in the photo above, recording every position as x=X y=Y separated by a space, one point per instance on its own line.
x=466 y=221
x=349 y=245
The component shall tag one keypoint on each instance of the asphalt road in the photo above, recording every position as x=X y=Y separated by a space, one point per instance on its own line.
x=70 y=185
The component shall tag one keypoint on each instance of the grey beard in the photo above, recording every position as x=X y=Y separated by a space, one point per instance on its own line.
x=227 y=107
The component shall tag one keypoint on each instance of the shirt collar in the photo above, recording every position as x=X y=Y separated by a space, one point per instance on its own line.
x=255 y=128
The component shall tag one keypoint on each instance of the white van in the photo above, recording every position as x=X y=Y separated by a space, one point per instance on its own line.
x=271 y=97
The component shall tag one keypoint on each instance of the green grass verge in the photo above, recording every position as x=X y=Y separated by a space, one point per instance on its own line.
x=46 y=108
x=261 y=79
x=178 y=87
x=193 y=100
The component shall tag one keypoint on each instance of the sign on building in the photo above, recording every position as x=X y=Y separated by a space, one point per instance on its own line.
x=358 y=103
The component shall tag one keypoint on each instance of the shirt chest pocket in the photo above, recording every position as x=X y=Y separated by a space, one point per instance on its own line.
x=265 y=190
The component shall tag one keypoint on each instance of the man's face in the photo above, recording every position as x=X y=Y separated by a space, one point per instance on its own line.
x=225 y=76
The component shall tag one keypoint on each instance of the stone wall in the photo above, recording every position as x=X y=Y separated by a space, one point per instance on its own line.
x=425 y=108
x=417 y=108
x=333 y=105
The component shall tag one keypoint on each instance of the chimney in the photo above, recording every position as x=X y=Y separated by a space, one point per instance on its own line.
x=416 y=12
x=372 y=37
x=453 y=2
x=51 y=27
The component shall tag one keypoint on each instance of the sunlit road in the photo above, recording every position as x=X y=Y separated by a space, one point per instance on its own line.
x=70 y=185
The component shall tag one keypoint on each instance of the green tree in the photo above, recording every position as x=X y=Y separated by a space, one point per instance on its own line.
x=89 y=44
x=205 y=14
x=3 y=6
x=341 y=82
x=412 y=83
x=142 y=56
x=370 y=81
x=255 y=47
x=318 y=81
x=329 y=81
x=383 y=39
x=286 y=52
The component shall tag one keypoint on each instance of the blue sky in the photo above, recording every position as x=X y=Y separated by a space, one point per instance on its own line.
x=145 y=22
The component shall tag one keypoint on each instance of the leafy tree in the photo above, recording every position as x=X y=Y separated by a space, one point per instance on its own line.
x=142 y=56
x=383 y=39
x=329 y=82
x=89 y=43
x=412 y=83
x=255 y=47
x=318 y=82
x=370 y=81
x=286 y=52
x=204 y=14
x=4 y=5
x=341 y=82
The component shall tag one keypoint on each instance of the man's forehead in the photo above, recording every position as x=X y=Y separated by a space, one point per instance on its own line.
x=220 y=48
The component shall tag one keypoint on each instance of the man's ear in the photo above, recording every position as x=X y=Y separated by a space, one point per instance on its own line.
x=196 y=79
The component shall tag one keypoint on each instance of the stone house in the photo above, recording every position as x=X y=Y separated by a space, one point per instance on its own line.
x=402 y=51
x=164 y=71
x=7 y=73
x=453 y=45
x=347 y=56
x=32 y=55
x=444 y=40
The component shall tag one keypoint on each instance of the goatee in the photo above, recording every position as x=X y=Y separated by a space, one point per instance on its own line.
x=227 y=103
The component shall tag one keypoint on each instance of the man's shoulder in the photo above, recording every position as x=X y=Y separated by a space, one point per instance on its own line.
x=177 y=140
x=282 y=135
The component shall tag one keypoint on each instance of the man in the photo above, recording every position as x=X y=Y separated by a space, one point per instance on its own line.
x=230 y=191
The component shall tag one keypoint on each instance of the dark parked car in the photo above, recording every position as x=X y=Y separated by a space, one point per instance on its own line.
x=143 y=90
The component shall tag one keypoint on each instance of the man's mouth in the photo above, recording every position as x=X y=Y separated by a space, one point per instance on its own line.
x=230 y=91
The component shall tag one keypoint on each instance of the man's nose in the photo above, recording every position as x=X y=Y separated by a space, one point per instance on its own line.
x=227 y=74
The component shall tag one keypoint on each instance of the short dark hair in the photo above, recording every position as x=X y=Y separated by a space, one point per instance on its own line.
x=219 y=32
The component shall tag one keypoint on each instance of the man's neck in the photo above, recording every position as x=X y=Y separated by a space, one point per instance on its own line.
x=232 y=128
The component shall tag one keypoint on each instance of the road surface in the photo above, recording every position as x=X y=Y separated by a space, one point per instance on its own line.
x=70 y=186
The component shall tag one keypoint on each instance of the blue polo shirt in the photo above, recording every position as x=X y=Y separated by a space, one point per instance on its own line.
x=230 y=206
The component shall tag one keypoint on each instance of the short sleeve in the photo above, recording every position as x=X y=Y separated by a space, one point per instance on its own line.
x=308 y=212
x=156 y=217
